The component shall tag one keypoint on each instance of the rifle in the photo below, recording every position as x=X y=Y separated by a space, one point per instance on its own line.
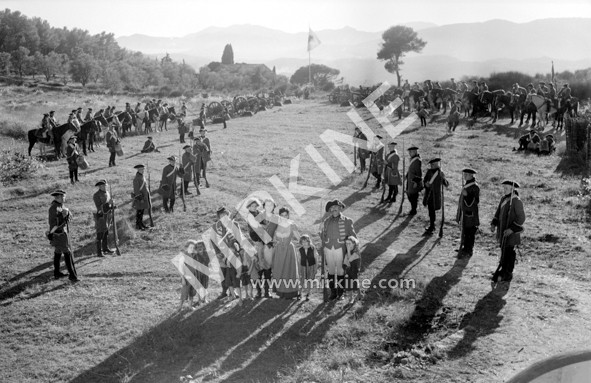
x=384 y=183
x=182 y=183
x=117 y=251
x=403 y=178
x=149 y=196
x=354 y=152
x=442 y=208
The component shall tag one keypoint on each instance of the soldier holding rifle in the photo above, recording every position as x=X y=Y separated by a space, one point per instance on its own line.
x=434 y=179
x=508 y=224
x=467 y=214
x=141 y=197
x=103 y=217
x=59 y=235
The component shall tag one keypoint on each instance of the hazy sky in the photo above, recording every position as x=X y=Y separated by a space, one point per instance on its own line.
x=175 y=18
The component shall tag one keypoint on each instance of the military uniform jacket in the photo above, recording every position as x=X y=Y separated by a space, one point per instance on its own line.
x=169 y=175
x=377 y=160
x=207 y=153
x=345 y=228
x=432 y=181
x=142 y=195
x=148 y=146
x=467 y=213
x=72 y=156
x=509 y=215
x=361 y=153
x=391 y=173
x=111 y=138
x=454 y=114
x=104 y=214
x=58 y=217
x=414 y=177
x=188 y=162
x=200 y=152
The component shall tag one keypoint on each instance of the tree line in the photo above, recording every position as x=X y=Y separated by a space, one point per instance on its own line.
x=32 y=47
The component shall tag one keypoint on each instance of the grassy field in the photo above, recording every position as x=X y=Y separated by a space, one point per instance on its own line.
x=120 y=324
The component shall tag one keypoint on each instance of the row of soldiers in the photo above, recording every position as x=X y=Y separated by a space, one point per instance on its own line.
x=507 y=222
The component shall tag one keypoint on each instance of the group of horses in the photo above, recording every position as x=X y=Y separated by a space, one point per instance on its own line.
x=488 y=103
x=58 y=136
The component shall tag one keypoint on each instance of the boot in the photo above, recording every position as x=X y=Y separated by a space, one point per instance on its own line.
x=98 y=250
x=105 y=244
x=165 y=205
x=171 y=209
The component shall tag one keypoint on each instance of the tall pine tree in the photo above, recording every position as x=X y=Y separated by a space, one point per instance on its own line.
x=228 y=55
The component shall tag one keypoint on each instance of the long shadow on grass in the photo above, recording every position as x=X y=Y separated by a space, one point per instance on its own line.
x=421 y=323
x=481 y=322
x=8 y=292
x=239 y=343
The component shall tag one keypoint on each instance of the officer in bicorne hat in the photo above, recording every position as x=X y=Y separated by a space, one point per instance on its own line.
x=168 y=183
x=188 y=163
x=508 y=224
x=467 y=213
x=335 y=229
x=377 y=160
x=434 y=179
x=58 y=235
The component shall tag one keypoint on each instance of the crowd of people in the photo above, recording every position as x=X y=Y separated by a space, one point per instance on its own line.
x=537 y=143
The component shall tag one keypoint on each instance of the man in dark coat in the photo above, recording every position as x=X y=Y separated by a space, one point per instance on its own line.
x=414 y=179
x=141 y=197
x=200 y=152
x=508 y=224
x=392 y=176
x=434 y=179
x=149 y=146
x=103 y=217
x=58 y=235
x=112 y=141
x=362 y=153
x=168 y=183
x=377 y=160
x=467 y=214
x=188 y=163
x=205 y=155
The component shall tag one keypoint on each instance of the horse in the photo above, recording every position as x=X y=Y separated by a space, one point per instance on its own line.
x=169 y=112
x=533 y=108
x=415 y=95
x=41 y=135
x=447 y=95
x=90 y=128
x=57 y=132
x=476 y=102
x=124 y=119
x=503 y=100
x=145 y=117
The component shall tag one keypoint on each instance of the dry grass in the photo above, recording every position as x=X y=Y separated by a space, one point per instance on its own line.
x=119 y=323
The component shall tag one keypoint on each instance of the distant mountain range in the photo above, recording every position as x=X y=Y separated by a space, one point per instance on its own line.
x=455 y=50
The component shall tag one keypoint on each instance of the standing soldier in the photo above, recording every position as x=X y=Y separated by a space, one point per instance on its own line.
x=454 y=117
x=103 y=217
x=414 y=179
x=168 y=183
x=433 y=180
x=58 y=235
x=467 y=215
x=362 y=154
x=377 y=160
x=199 y=150
x=206 y=155
x=72 y=155
x=335 y=229
x=112 y=140
x=141 y=197
x=508 y=224
x=391 y=173
x=188 y=162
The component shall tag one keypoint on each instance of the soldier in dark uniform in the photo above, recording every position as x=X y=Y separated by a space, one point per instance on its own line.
x=392 y=176
x=103 y=217
x=112 y=140
x=188 y=162
x=149 y=146
x=72 y=155
x=362 y=154
x=206 y=155
x=467 y=214
x=58 y=235
x=414 y=179
x=377 y=160
x=433 y=180
x=141 y=197
x=422 y=110
x=168 y=183
x=454 y=117
x=508 y=224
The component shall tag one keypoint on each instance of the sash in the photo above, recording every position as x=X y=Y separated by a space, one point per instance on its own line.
x=466 y=187
x=413 y=160
x=433 y=177
x=172 y=172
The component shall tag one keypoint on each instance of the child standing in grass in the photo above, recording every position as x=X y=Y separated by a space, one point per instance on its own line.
x=351 y=264
x=187 y=290
x=308 y=262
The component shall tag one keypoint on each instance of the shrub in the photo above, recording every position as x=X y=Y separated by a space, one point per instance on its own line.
x=13 y=129
x=175 y=93
x=15 y=166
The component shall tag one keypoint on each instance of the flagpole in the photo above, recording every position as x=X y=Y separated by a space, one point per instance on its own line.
x=309 y=68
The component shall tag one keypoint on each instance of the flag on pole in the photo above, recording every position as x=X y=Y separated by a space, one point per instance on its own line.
x=552 y=71
x=313 y=40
